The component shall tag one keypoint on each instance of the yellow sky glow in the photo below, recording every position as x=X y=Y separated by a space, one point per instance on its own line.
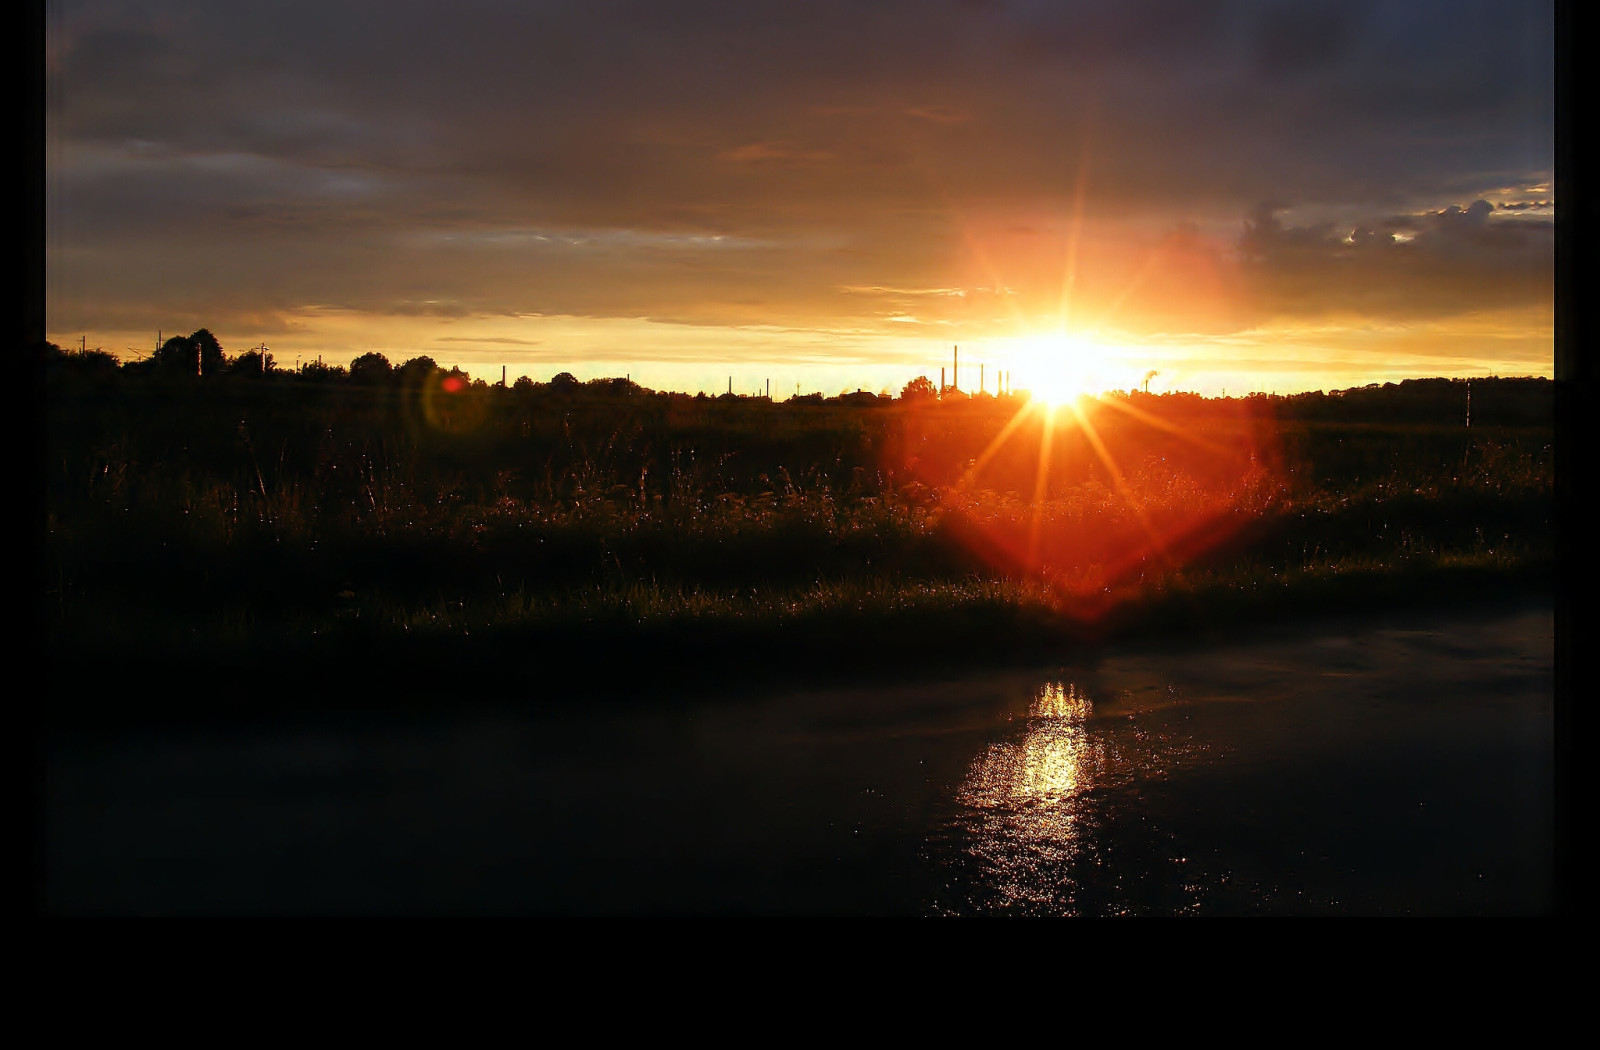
x=1283 y=357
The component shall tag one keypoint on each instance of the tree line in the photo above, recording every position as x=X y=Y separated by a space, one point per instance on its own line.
x=199 y=356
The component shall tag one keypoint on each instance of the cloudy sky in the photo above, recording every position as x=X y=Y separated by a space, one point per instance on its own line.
x=1237 y=194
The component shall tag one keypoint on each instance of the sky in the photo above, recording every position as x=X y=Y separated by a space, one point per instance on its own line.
x=1233 y=194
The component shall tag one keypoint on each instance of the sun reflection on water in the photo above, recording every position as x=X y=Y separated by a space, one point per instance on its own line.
x=1050 y=764
x=1023 y=795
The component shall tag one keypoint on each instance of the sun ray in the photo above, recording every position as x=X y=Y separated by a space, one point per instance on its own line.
x=996 y=281
x=1134 y=282
x=980 y=255
x=1161 y=424
x=1120 y=483
x=1041 y=488
x=1069 y=276
x=1018 y=418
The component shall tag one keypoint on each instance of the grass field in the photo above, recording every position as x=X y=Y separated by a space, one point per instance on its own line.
x=611 y=528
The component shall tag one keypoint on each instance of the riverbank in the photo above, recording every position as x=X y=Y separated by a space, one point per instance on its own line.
x=864 y=633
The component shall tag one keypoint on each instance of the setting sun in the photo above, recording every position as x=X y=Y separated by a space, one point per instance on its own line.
x=1059 y=368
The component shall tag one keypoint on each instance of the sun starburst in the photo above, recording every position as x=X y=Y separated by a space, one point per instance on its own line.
x=1058 y=368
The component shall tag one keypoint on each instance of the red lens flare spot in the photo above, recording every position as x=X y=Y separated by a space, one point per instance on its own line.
x=453 y=385
x=1101 y=500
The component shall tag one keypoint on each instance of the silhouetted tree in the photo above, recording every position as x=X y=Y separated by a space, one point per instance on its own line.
x=918 y=389
x=252 y=364
x=80 y=364
x=456 y=380
x=176 y=356
x=564 y=381
x=415 y=371
x=317 y=372
x=613 y=387
x=210 y=351
x=196 y=354
x=371 y=370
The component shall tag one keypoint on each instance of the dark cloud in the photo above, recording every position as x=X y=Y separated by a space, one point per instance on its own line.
x=301 y=152
x=1294 y=41
x=1457 y=259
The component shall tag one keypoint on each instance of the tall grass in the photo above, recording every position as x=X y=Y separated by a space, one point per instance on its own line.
x=175 y=514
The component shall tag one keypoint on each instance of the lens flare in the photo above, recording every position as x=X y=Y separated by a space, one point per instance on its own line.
x=1099 y=498
x=448 y=403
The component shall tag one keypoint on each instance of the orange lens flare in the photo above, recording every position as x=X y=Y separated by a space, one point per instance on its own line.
x=450 y=404
x=1100 y=500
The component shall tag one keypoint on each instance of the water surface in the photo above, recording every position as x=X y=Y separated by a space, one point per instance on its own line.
x=1397 y=766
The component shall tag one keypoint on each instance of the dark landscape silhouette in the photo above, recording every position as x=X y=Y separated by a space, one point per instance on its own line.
x=405 y=521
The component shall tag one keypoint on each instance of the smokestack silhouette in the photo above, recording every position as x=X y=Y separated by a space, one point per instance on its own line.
x=1147 y=377
x=955 y=368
